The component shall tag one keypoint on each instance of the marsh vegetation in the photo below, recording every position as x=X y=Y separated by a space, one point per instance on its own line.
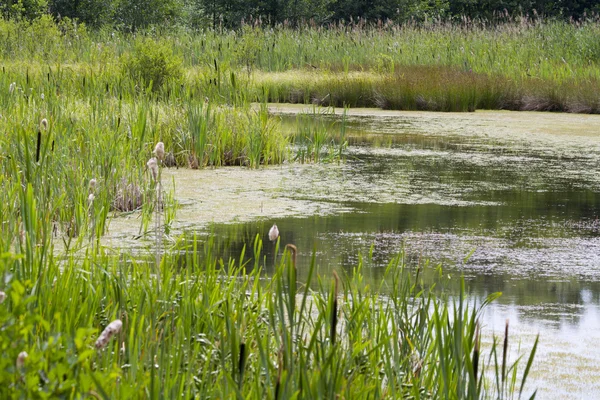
x=81 y=112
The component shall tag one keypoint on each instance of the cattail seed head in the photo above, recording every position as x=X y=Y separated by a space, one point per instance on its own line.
x=108 y=332
x=12 y=87
x=91 y=198
x=92 y=184
x=2 y=297
x=273 y=233
x=44 y=124
x=153 y=167
x=159 y=150
x=21 y=359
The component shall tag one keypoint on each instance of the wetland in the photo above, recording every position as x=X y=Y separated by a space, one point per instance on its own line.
x=508 y=200
x=142 y=171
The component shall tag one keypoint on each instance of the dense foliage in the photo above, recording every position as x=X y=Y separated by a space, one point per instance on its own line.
x=132 y=15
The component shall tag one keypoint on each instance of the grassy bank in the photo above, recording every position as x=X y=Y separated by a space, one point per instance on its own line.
x=520 y=65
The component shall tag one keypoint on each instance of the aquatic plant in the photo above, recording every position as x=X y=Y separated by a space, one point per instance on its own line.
x=153 y=168
x=273 y=233
x=315 y=138
x=159 y=150
x=219 y=328
x=521 y=65
x=21 y=359
x=111 y=329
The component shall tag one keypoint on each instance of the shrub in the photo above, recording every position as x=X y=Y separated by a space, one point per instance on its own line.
x=152 y=64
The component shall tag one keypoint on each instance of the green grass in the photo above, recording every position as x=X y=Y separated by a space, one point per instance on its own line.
x=215 y=329
x=196 y=325
x=520 y=65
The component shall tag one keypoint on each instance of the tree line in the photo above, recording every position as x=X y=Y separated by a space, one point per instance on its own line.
x=131 y=15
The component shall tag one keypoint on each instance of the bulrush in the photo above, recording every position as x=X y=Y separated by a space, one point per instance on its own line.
x=44 y=124
x=21 y=359
x=2 y=297
x=159 y=150
x=153 y=167
x=273 y=233
x=108 y=332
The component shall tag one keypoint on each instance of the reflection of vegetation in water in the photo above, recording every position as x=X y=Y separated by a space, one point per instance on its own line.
x=502 y=260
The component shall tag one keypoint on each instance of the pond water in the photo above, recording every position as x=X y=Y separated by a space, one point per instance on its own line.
x=508 y=200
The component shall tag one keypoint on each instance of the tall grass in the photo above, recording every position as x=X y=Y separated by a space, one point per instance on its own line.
x=217 y=328
x=315 y=139
x=200 y=326
x=542 y=49
x=520 y=65
x=108 y=135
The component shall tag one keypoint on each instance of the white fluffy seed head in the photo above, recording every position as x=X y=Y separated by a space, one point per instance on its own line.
x=12 y=87
x=21 y=359
x=2 y=297
x=91 y=198
x=112 y=329
x=273 y=233
x=44 y=124
x=159 y=150
x=92 y=184
x=153 y=167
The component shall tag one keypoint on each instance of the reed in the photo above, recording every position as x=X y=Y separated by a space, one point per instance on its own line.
x=519 y=65
x=215 y=329
x=208 y=327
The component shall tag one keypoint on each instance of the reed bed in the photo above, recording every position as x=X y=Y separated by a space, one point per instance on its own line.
x=113 y=327
x=519 y=65
x=81 y=115
x=97 y=131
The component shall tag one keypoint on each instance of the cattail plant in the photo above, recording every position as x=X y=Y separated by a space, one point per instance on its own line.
x=334 y=309
x=91 y=198
x=108 y=332
x=273 y=233
x=476 y=353
x=504 y=354
x=38 y=146
x=90 y=201
x=153 y=167
x=21 y=359
x=241 y=364
x=11 y=87
x=159 y=150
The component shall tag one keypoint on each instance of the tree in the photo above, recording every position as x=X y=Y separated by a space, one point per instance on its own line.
x=94 y=13
x=28 y=9
x=132 y=15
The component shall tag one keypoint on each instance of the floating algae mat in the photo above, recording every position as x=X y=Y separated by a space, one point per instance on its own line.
x=508 y=200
